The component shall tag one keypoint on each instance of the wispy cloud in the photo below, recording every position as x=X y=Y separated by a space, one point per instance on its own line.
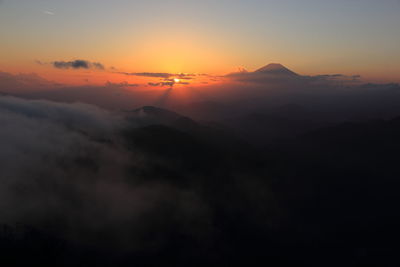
x=47 y=12
x=39 y=62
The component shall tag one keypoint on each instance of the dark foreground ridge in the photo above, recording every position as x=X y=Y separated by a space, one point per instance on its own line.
x=327 y=197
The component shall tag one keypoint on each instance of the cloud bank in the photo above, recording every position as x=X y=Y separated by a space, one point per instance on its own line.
x=66 y=167
x=24 y=82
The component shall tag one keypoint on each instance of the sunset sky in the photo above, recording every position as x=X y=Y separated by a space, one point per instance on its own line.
x=210 y=36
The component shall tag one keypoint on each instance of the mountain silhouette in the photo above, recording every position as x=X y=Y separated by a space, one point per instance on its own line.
x=276 y=69
x=159 y=119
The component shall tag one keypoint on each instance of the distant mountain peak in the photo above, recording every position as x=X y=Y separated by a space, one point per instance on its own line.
x=276 y=69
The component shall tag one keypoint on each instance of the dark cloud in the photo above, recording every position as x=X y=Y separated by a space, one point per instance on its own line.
x=336 y=77
x=78 y=64
x=171 y=81
x=121 y=84
x=174 y=81
x=186 y=78
x=98 y=65
x=148 y=74
x=162 y=84
x=160 y=75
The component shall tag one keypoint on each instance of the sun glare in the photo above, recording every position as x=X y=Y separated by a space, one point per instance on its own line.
x=177 y=80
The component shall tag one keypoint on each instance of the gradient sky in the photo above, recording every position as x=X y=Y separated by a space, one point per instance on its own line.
x=208 y=36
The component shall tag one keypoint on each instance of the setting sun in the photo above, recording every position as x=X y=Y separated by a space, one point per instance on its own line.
x=177 y=80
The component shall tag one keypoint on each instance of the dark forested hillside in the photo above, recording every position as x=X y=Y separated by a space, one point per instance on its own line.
x=186 y=194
